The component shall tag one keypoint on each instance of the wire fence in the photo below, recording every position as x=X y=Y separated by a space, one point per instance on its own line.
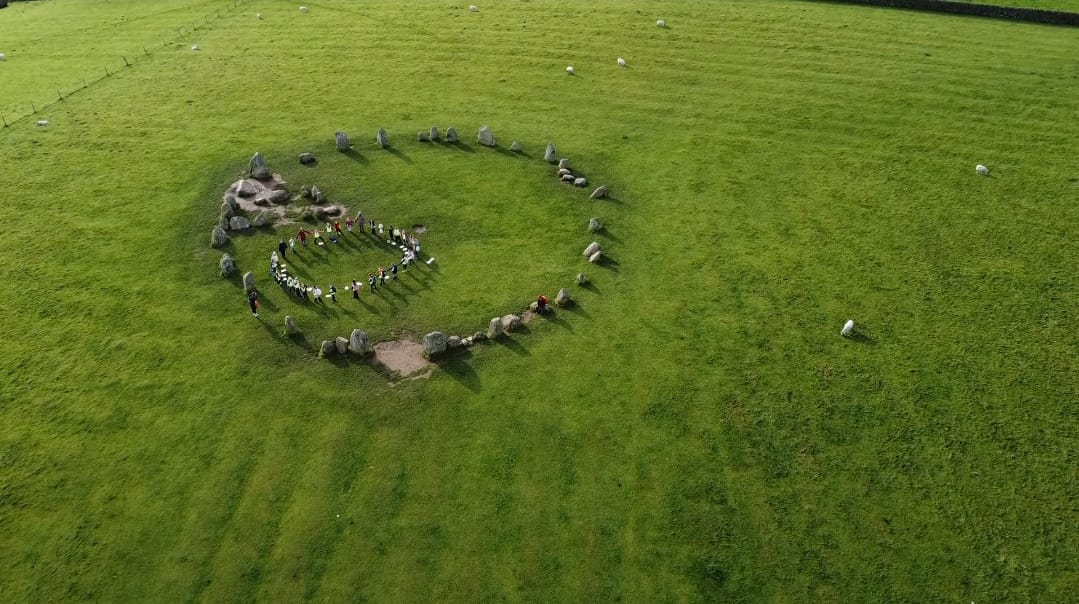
x=28 y=109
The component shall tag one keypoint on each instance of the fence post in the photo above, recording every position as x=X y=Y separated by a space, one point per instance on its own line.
x=126 y=63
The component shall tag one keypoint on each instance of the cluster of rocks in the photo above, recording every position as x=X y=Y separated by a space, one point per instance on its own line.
x=313 y=194
x=357 y=343
x=565 y=174
x=434 y=136
x=593 y=252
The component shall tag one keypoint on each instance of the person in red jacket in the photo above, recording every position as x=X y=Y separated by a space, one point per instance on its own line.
x=302 y=236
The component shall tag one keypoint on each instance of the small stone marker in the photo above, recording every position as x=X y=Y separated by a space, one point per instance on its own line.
x=227 y=265
x=600 y=192
x=594 y=258
x=226 y=210
x=562 y=298
x=591 y=249
x=453 y=342
x=258 y=167
x=381 y=139
x=359 y=343
x=980 y=169
x=327 y=348
x=239 y=223
x=434 y=343
x=567 y=178
x=594 y=225
x=848 y=328
x=423 y=136
x=580 y=182
x=341 y=344
x=308 y=158
x=582 y=279
x=485 y=138
x=621 y=62
x=563 y=164
x=515 y=147
x=341 y=139
x=249 y=281
x=510 y=322
x=433 y=134
x=290 y=326
x=279 y=197
x=549 y=155
x=495 y=328
x=317 y=195
x=661 y=23
x=451 y=135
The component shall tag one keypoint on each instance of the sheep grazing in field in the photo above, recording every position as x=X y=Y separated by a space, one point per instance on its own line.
x=569 y=70
x=259 y=16
x=303 y=9
x=474 y=8
x=621 y=62
x=661 y=23
x=42 y=122
x=3 y=57
x=980 y=169
x=848 y=328
x=195 y=47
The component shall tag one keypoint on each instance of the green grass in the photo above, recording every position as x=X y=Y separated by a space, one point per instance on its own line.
x=695 y=430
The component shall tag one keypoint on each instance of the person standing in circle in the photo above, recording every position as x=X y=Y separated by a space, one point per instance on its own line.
x=253 y=302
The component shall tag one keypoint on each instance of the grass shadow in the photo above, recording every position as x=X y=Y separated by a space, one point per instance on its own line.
x=612 y=199
x=606 y=233
x=467 y=148
x=862 y=338
x=355 y=156
x=590 y=287
x=455 y=364
x=514 y=345
x=577 y=309
x=555 y=318
x=608 y=263
x=394 y=151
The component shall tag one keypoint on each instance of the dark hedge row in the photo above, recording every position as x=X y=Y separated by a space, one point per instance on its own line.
x=1034 y=15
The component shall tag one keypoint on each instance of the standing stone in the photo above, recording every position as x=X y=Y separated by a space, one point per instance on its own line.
x=434 y=134
x=567 y=178
x=359 y=343
x=434 y=343
x=290 y=326
x=485 y=138
x=510 y=322
x=258 y=167
x=591 y=249
x=582 y=280
x=239 y=223
x=227 y=265
x=563 y=298
x=423 y=136
x=594 y=258
x=495 y=328
x=580 y=182
x=327 y=348
x=218 y=237
x=549 y=155
x=262 y=220
x=308 y=158
x=563 y=164
x=341 y=139
x=451 y=135
x=594 y=225
x=223 y=223
x=515 y=147
x=600 y=192
x=341 y=344
x=453 y=342
x=317 y=195
x=249 y=281
x=305 y=191
x=381 y=139
x=226 y=210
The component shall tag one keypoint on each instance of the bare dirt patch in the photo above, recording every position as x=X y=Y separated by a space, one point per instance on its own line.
x=404 y=358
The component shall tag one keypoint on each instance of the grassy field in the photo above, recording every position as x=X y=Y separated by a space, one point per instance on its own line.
x=693 y=430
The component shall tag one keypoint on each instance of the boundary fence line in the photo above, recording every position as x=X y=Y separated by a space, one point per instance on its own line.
x=992 y=11
x=31 y=108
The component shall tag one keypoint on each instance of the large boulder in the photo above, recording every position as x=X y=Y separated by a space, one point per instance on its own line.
x=600 y=192
x=327 y=348
x=239 y=223
x=451 y=135
x=258 y=167
x=280 y=197
x=381 y=139
x=307 y=158
x=423 y=136
x=495 y=328
x=510 y=322
x=317 y=195
x=231 y=200
x=341 y=344
x=591 y=249
x=549 y=155
x=580 y=182
x=453 y=342
x=290 y=326
x=262 y=220
x=218 y=237
x=227 y=210
x=358 y=342
x=341 y=139
x=594 y=225
x=563 y=298
x=246 y=188
x=227 y=265
x=249 y=281
x=485 y=138
x=434 y=343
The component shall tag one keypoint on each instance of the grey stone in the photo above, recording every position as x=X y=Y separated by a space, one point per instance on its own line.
x=308 y=158
x=227 y=265
x=290 y=326
x=549 y=155
x=495 y=328
x=563 y=163
x=327 y=348
x=562 y=298
x=226 y=210
x=246 y=188
x=279 y=197
x=218 y=237
x=591 y=249
x=239 y=223
x=434 y=343
x=582 y=279
x=515 y=147
x=485 y=138
x=231 y=200
x=249 y=281
x=341 y=344
x=262 y=201
x=263 y=219
x=567 y=178
x=594 y=225
x=423 y=136
x=594 y=258
x=223 y=223
x=359 y=343
x=479 y=336
x=317 y=195
x=580 y=182
x=466 y=342
x=453 y=342
x=278 y=184
x=600 y=192
x=563 y=171
x=258 y=167
x=341 y=140
x=510 y=322
x=381 y=139
x=434 y=134
x=451 y=135
x=305 y=191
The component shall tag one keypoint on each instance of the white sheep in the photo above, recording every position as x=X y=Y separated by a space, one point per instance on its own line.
x=621 y=62
x=303 y=9
x=569 y=70
x=195 y=47
x=259 y=16
x=3 y=57
x=661 y=23
x=474 y=8
x=42 y=122
x=980 y=169
x=848 y=328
